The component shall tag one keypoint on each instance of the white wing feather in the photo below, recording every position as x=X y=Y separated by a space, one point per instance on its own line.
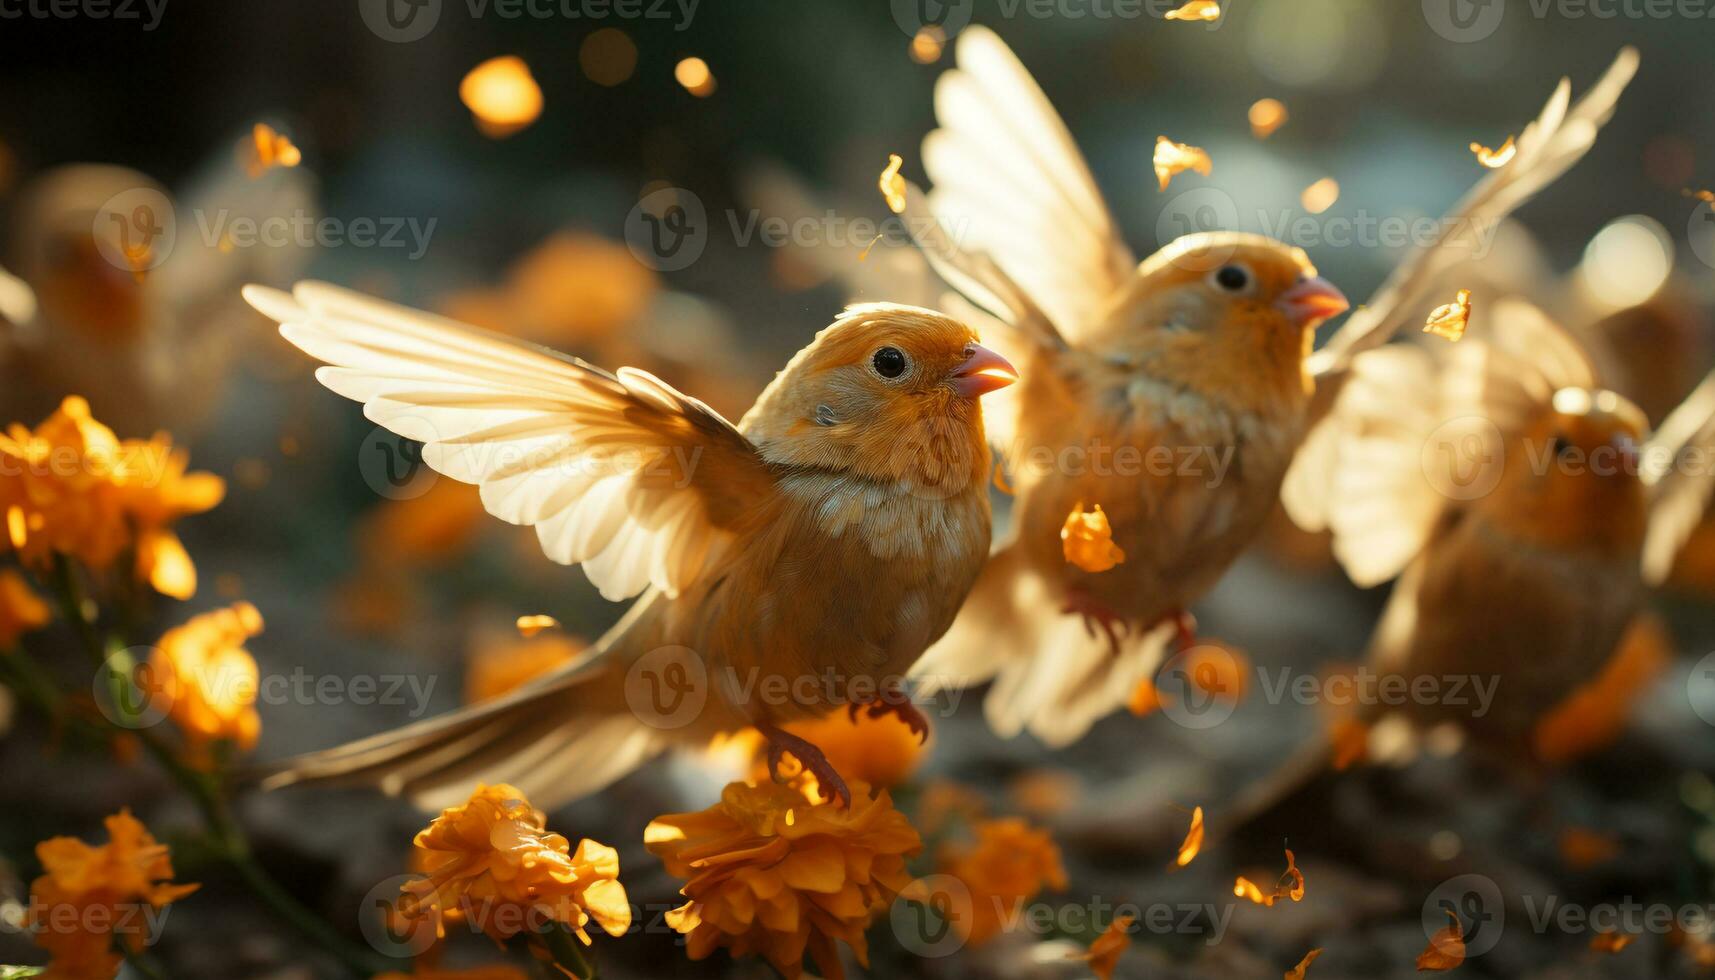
x=1679 y=467
x=619 y=472
x=1009 y=182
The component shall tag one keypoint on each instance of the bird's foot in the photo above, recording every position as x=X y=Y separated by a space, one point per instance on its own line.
x=1184 y=628
x=1097 y=615
x=894 y=701
x=810 y=760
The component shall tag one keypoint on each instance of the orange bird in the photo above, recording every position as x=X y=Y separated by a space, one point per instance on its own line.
x=796 y=562
x=1524 y=509
x=1174 y=393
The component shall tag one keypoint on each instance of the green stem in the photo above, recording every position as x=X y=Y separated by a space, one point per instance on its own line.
x=205 y=791
x=567 y=953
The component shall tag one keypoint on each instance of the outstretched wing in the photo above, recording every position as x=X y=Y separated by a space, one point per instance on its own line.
x=1414 y=424
x=1009 y=182
x=639 y=483
x=1679 y=468
x=1547 y=148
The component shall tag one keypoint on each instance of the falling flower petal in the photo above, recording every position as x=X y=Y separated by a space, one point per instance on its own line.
x=1320 y=196
x=1104 y=954
x=1175 y=158
x=1193 y=840
x=1196 y=10
x=502 y=95
x=1087 y=540
x=529 y=626
x=1297 y=972
x=1266 y=116
x=1446 y=948
x=1450 y=320
x=1290 y=886
x=1497 y=158
x=267 y=149
x=892 y=185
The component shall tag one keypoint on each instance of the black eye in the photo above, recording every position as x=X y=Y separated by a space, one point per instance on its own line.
x=1232 y=278
x=889 y=362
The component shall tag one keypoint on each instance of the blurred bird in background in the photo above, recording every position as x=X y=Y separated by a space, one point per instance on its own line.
x=863 y=463
x=1525 y=510
x=1202 y=349
x=95 y=306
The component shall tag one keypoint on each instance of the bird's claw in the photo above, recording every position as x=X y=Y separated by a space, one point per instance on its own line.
x=1184 y=628
x=897 y=703
x=810 y=760
x=1097 y=614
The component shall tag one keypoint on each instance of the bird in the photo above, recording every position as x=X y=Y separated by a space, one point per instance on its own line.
x=1525 y=509
x=158 y=343
x=788 y=565
x=1203 y=350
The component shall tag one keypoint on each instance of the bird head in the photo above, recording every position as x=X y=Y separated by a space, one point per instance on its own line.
x=1571 y=477
x=886 y=392
x=1215 y=303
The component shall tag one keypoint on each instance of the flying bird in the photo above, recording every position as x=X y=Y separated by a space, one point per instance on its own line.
x=1201 y=352
x=791 y=564
x=1525 y=510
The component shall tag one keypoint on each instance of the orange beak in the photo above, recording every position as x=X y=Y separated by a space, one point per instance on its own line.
x=983 y=371
x=1310 y=301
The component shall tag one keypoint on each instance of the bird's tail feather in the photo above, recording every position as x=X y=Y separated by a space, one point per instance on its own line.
x=560 y=738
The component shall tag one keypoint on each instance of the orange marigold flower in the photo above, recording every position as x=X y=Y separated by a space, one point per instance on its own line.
x=491 y=861
x=880 y=751
x=1010 y=863
x=87 y=897
x=21 y=609
x=769 y=873
x=71 y=487
x=494 y=668
x=209 y=680
x=156 y=490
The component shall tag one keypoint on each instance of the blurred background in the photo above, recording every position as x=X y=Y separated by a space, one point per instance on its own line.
x=522 y=195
